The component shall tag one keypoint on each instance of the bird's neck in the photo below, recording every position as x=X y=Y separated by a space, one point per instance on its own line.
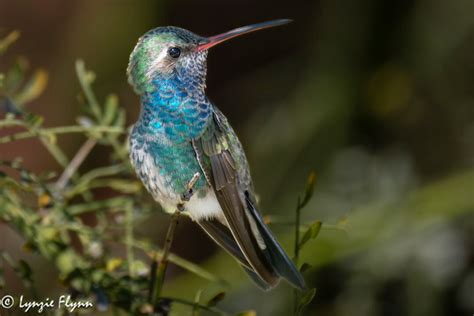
x=175 y=107
x=171 y=91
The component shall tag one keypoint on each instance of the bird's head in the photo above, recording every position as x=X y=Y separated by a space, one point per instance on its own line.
x=173 y=52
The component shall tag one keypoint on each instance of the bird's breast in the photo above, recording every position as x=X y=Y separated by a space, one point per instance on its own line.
x=166 y=169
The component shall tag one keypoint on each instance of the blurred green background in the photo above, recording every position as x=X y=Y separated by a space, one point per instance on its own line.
x=376 y=96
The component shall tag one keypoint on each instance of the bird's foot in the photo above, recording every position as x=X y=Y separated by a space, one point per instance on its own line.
x=187 y=195
x=180 y=207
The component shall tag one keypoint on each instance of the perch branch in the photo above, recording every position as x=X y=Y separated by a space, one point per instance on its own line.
x=78 y=159
x=158 y=271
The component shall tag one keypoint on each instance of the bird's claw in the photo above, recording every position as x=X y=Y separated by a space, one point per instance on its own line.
x=187 y=195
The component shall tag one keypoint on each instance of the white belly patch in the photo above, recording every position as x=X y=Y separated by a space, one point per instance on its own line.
x=204 y=208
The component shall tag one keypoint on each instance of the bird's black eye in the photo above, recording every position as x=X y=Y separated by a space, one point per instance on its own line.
x=174 y=52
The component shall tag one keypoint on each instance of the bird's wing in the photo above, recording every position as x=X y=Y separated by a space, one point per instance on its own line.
x=223 y=162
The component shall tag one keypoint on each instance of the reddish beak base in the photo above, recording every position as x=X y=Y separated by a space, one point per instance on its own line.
x=217 y=39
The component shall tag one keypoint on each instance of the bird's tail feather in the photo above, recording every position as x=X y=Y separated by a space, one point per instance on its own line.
x=274 y=253
x=223 y=237
x=261 y=256
x=257 y=279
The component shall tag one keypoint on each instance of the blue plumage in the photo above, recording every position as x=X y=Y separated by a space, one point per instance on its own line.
x=172 y=114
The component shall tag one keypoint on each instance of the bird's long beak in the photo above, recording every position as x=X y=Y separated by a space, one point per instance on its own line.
x=217 y=39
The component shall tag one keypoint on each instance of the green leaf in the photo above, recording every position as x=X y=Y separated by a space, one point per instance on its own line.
x=47 y=233
x=8 y=40
x=15 y=76
x=33 y=120
x=124 y=186
x=311 y=233
x=197 y=299
x=33 y=88
x=309 y=190
x=66 y=262
x=216 y=299
x=120 y=119
x=86 y=78
x=307 y=298
x=140 y=268
x=111 y=107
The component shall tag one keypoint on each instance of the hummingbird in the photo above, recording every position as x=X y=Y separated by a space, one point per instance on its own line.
x=188 y=156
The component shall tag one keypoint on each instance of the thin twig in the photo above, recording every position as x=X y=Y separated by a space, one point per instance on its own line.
x=297 y=250
x=78 y=159
x=96 y=206
x=33 y=131
x=156 y=253
x=11 y=123
x=301 y=203
x=84 y=183
x=55 y=151
x=85 y=81
x=163 y=264
x=297 y=232
x=129 y=238
x=61 y=130
x=158 y=271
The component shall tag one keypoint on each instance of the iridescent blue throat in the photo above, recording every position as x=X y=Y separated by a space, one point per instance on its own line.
x=176 y=109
